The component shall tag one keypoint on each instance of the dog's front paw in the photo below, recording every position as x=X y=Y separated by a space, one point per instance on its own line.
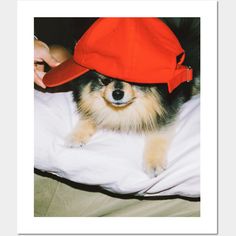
x=154 y=168
x=155 y=153
x=155 y=161
x=77 y=140
x=81 y=134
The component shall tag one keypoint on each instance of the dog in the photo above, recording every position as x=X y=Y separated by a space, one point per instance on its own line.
x=149 y=109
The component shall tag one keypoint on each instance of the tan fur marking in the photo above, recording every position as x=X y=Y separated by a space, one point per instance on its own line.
x=128 y=89
x=108 y=89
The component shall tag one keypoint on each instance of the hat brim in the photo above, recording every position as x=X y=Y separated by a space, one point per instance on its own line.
x=64 y=73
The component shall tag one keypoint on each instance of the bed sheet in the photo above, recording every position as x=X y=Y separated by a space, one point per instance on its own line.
x=112 y=160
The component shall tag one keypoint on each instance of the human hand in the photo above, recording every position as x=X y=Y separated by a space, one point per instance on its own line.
x=42 y=54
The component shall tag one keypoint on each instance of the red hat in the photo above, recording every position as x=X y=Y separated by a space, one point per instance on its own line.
x=140 y=50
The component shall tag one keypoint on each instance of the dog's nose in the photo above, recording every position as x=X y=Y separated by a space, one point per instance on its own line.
x=118 y=94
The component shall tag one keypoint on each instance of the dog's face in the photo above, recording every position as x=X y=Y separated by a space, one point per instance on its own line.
x=117 y=105
x=116 y=93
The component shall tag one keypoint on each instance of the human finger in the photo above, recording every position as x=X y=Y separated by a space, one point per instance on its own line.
x=38 y=75
x=49 y=59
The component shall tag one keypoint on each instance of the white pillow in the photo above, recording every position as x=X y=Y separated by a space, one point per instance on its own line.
x=113 y=160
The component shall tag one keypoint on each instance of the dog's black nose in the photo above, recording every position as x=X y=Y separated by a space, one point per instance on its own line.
x=118 y=94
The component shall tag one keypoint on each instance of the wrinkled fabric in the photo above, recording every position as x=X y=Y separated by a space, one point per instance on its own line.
x=113 y=160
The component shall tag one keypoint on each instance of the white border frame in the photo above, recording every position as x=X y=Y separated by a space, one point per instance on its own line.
x=207 y=222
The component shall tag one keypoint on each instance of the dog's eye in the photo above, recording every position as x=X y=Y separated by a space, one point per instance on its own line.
x=106 y=81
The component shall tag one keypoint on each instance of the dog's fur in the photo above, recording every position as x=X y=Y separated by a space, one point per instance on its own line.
x=108 y=103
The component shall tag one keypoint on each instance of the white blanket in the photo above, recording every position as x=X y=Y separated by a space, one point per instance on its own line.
x=112 y=160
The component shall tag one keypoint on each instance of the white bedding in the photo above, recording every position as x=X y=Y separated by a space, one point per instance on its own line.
x=112 y=160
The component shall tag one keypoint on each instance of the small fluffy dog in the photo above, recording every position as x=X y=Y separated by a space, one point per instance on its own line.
x=149 y=109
